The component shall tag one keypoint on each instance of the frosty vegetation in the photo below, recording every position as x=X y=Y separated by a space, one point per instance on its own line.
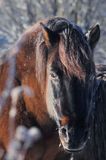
x=16 y=16
x=24 y=138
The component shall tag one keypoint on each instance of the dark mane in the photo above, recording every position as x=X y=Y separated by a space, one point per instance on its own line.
x=74 y=52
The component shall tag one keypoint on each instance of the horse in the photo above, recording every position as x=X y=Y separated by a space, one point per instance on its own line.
x=54 y=58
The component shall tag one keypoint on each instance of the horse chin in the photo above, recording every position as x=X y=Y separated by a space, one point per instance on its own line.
x=79 y=149
x=68 y=147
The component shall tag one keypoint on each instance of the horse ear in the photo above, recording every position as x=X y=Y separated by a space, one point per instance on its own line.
x=50 y=36
x=93 y=35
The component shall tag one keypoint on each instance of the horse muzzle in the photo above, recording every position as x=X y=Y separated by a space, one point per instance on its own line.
x=74 y=141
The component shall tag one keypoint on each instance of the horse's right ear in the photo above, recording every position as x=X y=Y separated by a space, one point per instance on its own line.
x=93 y=35
x=50 y=36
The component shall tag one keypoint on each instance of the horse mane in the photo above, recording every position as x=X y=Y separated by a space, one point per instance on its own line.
x=74 y=52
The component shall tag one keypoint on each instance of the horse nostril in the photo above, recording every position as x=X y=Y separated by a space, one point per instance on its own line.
x=63 y=130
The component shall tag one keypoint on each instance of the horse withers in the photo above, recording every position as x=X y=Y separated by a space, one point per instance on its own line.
x=55 y=59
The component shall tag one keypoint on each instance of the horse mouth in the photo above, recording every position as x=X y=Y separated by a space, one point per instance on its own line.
x=79 y=149
x=74 y=147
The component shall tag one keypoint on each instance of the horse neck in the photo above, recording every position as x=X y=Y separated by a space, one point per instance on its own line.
x=26 y=71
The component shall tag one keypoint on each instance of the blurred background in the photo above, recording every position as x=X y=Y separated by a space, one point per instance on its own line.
x=17 y=15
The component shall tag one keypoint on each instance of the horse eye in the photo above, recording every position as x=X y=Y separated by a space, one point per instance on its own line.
x=53 y=75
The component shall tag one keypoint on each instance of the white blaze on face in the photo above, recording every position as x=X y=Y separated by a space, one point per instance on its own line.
x=50 y=99
x=55 y=94
x=53 y=103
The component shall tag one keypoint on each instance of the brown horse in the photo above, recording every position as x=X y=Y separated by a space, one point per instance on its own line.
x=54 y=58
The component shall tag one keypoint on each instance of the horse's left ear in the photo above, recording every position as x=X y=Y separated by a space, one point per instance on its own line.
x=93 y=35
x=50 y=36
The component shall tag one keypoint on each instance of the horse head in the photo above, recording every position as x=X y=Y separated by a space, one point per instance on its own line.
x=70 y=79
